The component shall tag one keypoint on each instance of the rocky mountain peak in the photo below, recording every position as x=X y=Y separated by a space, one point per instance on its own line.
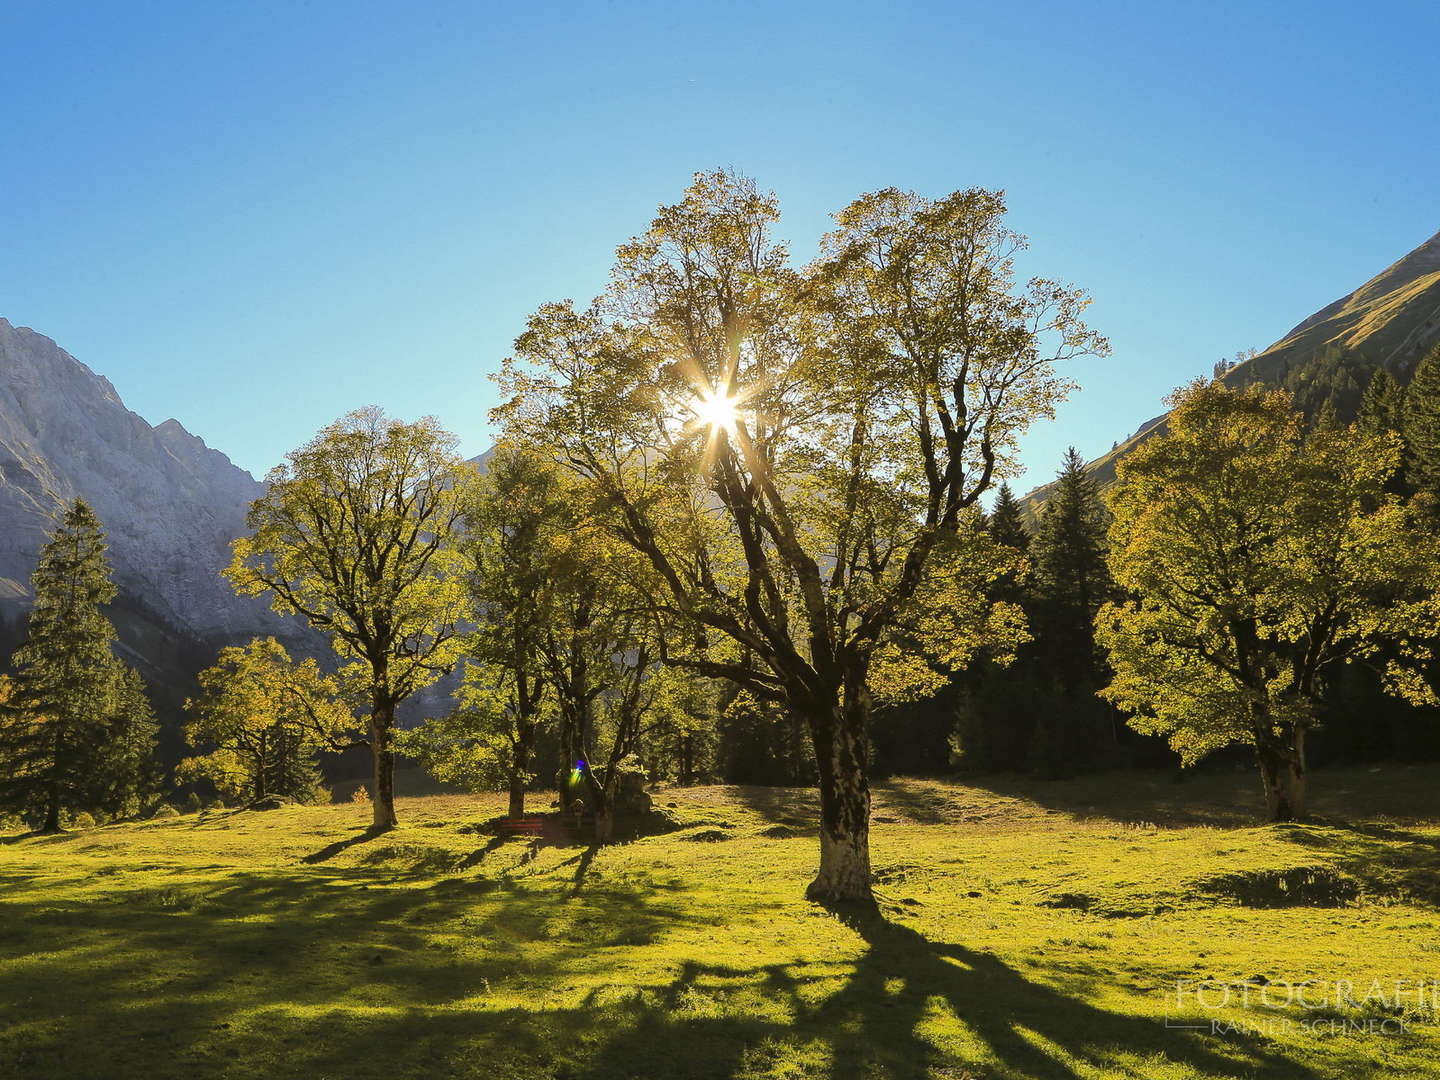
x=170 y=504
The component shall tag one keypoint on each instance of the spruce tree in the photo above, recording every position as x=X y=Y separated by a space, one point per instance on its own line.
x=1383 y=406
x=1071 y=581
x=130 y=774
x=53 y=743
x=1068 y=551
x=1422 y=428
x=1007 y=524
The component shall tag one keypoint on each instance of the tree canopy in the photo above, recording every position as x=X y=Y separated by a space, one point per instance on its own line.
x=356 y=534
x=53 y=737
x=797 y=454
x=261 y=719
x=1260 y=561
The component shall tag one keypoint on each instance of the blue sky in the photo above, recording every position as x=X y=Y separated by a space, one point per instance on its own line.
x=255 y=218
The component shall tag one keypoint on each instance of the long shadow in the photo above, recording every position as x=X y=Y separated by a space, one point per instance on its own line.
x=297 y=973
x=476 y=857
x=876 y=1024
x=582 y=868
x=329 y=851
x=1022 y=1022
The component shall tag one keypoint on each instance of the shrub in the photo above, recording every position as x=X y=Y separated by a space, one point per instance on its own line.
x=193 y=803
x=165 y=810
x=362 y=795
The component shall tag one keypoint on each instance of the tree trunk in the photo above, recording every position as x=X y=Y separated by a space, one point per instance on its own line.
x=382 y=801
x=842 y=756
x=1282 y=772
x=520 y=772
x=52 y=789
x=52 y=815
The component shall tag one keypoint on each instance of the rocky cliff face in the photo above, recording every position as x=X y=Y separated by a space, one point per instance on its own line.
x=170 y=504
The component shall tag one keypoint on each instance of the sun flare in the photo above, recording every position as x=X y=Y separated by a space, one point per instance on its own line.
x=715 y=411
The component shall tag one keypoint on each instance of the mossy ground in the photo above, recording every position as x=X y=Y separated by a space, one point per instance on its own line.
x=1030 y=930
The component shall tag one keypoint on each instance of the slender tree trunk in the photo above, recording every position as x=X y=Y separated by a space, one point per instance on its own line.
x=569 y=758
x=382 y=719
x=52 y=794
x=687 y=760
x=520 y=774
x=1282 y=773
x=839 y=735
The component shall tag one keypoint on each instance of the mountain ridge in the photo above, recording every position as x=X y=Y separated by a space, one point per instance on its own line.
x=1390 y=321
x=170 y=505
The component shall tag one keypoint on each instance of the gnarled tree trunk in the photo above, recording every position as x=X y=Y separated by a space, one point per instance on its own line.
x=1282 y=772
x=842 y=760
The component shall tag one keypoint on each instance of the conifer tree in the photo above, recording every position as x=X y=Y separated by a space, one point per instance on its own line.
x=1068 y=551
x=1383 y=406
x=131 y=774
x=1070 y=580
x=53 y=743
x=1328 y=418
x=1421 y=427
x=1007 y=524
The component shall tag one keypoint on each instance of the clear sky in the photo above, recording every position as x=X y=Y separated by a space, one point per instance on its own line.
x=254 y=218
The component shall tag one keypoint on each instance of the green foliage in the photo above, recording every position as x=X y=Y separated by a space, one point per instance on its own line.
x=1330 y=384
x=1383 y=406
x=1069 y=549
x=1421 y=427
x=54 y=730
x=1007 y=523
x=1259 y=562
x=356 y=534
x=788 y=449
x=130 y=774
x=561 y=639
x=516 y=517
x=473 y=748
x=261 y=720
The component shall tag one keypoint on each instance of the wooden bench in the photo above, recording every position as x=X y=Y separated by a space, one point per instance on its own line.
x=524 y=826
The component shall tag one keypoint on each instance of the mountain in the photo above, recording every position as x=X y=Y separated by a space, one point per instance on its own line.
x=170 y=504
x=1390 y=321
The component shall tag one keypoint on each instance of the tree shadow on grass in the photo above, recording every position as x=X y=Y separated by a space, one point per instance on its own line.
x=339 y=971
x=876 y=1025
x=329 y=851
x=1385 y=859
x=318 y=972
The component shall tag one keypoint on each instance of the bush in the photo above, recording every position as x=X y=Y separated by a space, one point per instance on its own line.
x=82 y=820
x=165 y=810
x=362 y=795
x=193 y=804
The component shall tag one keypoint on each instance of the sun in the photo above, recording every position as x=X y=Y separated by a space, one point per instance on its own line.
x=715 y=411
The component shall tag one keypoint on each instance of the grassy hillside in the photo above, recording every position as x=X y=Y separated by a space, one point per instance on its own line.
x=1030 y=930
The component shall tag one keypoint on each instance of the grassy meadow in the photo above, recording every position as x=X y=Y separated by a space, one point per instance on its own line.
x=1029 y=929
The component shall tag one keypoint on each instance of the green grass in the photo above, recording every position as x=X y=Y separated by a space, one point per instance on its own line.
x=1030 y=930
